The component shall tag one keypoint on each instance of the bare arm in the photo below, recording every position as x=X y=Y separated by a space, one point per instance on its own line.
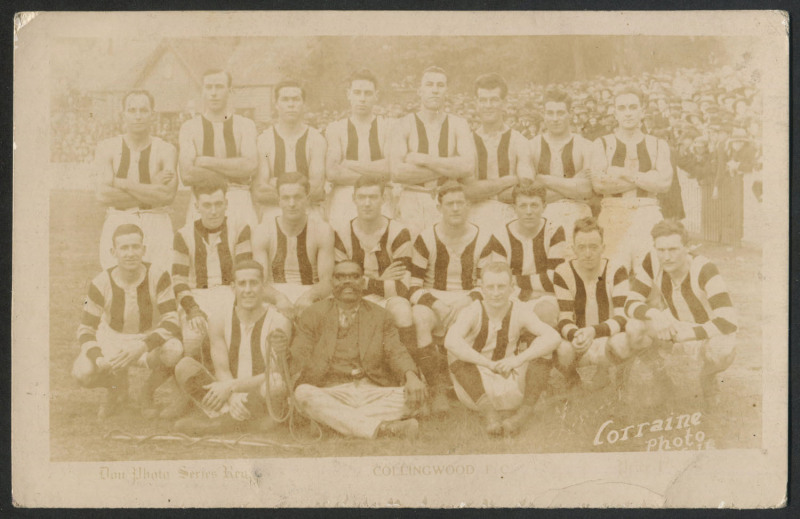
x=456 y=343
x=460 y=166
x=316 y=165
x=325 y=262
x=162 y=191
x=547 y=339
x=578 y=187
x=238 y=168
x=607 y=180
x=191 y=174
x=219 y=350
x=107 y=193
x=659 y=179
x=401 y=170
x=479 y=190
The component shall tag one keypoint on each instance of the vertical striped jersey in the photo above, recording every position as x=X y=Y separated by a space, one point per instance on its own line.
x=435 y=265
x=292 y=259
x=533 y=260
x=564 y=163
x=394 y=244
x=492 y=339
x=494 y=153
x=442 y=146
x=139 y=166
x=286 y=156
x=701 y=298
x=148 y=308
x=247 y=345
x=204 y=258
x=364 y=148
x=599 y=303
x=645 y=156
x=219 y=139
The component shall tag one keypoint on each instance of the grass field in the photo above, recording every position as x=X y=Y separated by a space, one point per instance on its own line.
x=564 y=422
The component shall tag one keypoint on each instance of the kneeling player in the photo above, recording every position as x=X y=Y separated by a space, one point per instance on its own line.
x=591 y=294
x=699 y=313
x=383 y=249
x=490 y=374
x=296 y=250
x=444 y=269
x=244 y=339
x=129 y=317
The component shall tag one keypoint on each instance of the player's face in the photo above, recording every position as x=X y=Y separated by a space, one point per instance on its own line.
x=368 y=200
x=588 y=247
x=454 y=208
x=347 y=282
x=212 y=209
x=362 y=96
x=138 y=114
x=293 y=201
x=491 y=105
x=496 y=288
x=290 y=104
x=248 y=285
x=216 y=91
x=672 y=253
x=556 y=117
x=129 y=250
x=432 y=90
x=529 y=210
x=628 y=111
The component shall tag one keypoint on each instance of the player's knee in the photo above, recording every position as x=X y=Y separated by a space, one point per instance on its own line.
x=304 y=393
x=618 y=346
x=83 y=371
x=186 y=367
x=565 y=354
x=192 y=342
x=424 y=318
x=636 y=332
x=171 y=352
x=546 y=309
x=400 y=310
x=720 y=351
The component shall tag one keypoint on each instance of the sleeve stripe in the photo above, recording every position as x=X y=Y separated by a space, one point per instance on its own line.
x=417 y=271
x=721 y=300
x=180 y=270
x=566 y=305
x=724 y=326
x=167 y=306
x=95 y=296
x=427 y=299
x=620 y=276
x=421 y=248
x=179 y=244
x=90 y=320
x=618 y=301
x=402 y=238
x=639 y=287
x=164 y=282
x=707 y=272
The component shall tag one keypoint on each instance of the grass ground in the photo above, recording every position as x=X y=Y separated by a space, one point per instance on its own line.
x=564 y=421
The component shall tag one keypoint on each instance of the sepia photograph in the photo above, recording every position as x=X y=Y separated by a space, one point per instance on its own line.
x=544 y=264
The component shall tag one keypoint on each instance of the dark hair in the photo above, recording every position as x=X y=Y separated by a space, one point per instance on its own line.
x=289 y=83
x=556 y=95
x=490 y=82
x=212 y=71
x=669 y=227
x=630 y=89
x=130 y=93
x=369 y=181
x=526 y=187
x=348 y=260
x=126 y=228
x=451 y=186
x=293 y=177
x=248 y=264
x=433 y=69
x=588 y=224
x=365 y=75
x=210 y=186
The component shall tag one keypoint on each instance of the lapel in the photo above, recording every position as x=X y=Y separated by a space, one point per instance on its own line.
x=365 y=327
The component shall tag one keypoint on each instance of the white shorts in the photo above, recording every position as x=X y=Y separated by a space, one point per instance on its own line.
x=292 y=291
x=112 y=342
x=491 y=215
x=449 y=297
x=417 y=210
x=212 y=301
x=505 y=393
x=626 y=224
x=342 y=209
x=240 y=206
x=566 y=212
x=158 y=235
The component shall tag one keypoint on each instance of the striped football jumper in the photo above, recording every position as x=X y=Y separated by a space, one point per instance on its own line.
x=289 y=257
x=533 y=260
x=204 y=258
x=148 y=308
x=701 y=298
x=247 y=348
x=393 y=245
x=599 y=304
x=432 y=266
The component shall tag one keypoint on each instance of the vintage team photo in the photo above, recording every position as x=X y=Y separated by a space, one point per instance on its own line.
x=334 y=246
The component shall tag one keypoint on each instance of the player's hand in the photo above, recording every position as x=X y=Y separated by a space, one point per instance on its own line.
x=663 y=326
x=198 y=320
x=218 y=394
x=583 y=338
x=418 y=159
x=278 y=342
x=394 y=272
x=165 y=177
x=237 y=407
x=129 y=354
x=507 y=365
x=414 y=390
x=683 y=332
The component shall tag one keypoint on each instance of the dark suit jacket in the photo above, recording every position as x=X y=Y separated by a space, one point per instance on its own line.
x=383 y=357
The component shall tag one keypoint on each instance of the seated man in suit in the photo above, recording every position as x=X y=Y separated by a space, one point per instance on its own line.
x=348 y=362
